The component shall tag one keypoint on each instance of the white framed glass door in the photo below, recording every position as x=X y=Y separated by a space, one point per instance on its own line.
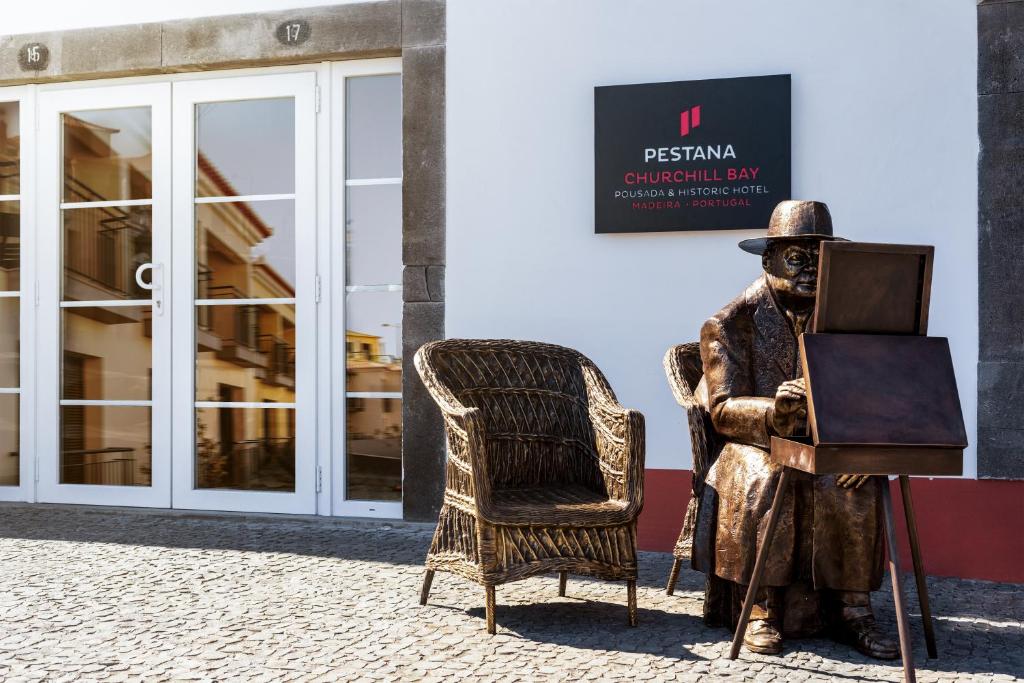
x=170 y=359
x=104 y=248
x=17 y=286
x=366 y=289
x=246 y=289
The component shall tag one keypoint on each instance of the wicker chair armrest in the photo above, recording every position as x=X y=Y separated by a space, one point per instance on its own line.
x=467 y=426
x=620 y=439
x=463 y=424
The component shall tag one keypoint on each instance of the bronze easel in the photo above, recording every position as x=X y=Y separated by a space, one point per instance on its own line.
x=881 y=399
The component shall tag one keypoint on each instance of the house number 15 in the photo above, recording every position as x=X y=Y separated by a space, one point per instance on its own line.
x=33 y=57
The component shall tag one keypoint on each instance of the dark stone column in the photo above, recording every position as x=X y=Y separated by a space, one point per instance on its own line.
x=423 y=249
x=1001 y=239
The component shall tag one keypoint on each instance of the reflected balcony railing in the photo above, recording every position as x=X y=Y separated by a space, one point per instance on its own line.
x=280 y=370
x=105 y=245
x=254 y=464
x=10 y=242
x=235 y=326
x=10 y=168
x=383 y=358
x=110 y=471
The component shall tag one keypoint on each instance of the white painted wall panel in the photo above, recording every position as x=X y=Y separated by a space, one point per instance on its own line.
x=884 y=131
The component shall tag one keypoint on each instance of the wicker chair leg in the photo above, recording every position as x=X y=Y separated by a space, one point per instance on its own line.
x=428 y=578
x=490 y=610
x=562 y=580
x=631 y=600
x=673 y=576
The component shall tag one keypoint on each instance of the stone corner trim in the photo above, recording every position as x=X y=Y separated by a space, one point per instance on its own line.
x=1000 y=233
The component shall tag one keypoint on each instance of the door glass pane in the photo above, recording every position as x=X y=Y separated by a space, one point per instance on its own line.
x=374 y=448
x=105 y=445
x=103 y=249
x=10 y=356
x=373 y=422
x=107 y=353
x=10 y=247
x=10 y=281
x=374 y=235
x=247 y=347
x=373 y=144
x=9 y=421
x=10 y=148
x=245 y=147
x=108 y=155
x=251 y=449
x=245 y=250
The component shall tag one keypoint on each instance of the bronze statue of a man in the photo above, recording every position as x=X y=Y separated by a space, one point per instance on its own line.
x=827 y=550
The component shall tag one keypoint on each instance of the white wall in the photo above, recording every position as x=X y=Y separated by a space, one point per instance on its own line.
x=884 y=131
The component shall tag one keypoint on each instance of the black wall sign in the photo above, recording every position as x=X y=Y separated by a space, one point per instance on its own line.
x=691 y=155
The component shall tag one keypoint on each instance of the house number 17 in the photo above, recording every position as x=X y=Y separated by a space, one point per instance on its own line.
x=294 y=32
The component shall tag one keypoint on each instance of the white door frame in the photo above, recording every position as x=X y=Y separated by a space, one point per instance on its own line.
x=24 y=95
x=187 y=94
x=156 y=96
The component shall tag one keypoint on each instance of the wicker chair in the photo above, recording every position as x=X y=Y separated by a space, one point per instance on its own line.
x=722 y=599
x=684 y=369
x=545 y=468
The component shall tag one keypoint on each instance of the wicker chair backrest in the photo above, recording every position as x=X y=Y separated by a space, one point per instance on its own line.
x=533 y=398
x=684 y=369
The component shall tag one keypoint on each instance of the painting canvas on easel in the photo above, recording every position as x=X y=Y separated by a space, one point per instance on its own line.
x=881 y=396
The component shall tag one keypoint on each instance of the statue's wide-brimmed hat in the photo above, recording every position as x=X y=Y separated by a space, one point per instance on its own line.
x=794 y=220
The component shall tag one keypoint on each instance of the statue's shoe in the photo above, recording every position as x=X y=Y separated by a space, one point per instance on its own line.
x=763 y=637
x=865 y=635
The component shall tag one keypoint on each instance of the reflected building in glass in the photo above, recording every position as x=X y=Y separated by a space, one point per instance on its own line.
x=373 y=424
x=245 y=352
x=10 y=309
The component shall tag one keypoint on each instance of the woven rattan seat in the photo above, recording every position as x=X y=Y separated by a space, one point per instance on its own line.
x=569 y=505
x=545 y=468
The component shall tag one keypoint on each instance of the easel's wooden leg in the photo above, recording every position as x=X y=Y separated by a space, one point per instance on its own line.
x=673 y=577
x=563 y=578
x=490 y=610
x=909 y=674
x=762 y=556
x=919 y=575
x=428 y=579
x=631 y=601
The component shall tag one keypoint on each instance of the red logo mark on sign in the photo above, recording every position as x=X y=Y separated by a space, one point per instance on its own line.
x=688 y=120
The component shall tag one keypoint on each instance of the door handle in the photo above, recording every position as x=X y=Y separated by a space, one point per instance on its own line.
x=138 y=276
x=156 y=273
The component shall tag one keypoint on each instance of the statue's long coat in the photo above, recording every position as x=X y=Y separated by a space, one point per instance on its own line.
x=828 y=536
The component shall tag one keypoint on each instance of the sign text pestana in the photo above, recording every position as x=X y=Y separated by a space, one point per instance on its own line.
x=689 y=153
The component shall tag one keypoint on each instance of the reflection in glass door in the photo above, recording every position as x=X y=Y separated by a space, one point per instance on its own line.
x=105 y=221
x=368 y=122
x=244 y=195
x=15 y=310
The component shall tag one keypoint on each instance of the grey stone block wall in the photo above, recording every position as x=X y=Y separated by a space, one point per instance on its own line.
x=1001 y=239
x=413 y=29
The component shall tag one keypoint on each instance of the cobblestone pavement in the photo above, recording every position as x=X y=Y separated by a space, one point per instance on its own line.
x=93 y=594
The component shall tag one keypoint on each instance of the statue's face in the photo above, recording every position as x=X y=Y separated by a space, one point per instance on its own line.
x=792 y=267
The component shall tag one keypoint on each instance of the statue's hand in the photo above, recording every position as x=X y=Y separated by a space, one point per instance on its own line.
x=851 y=481
x=790 y=413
